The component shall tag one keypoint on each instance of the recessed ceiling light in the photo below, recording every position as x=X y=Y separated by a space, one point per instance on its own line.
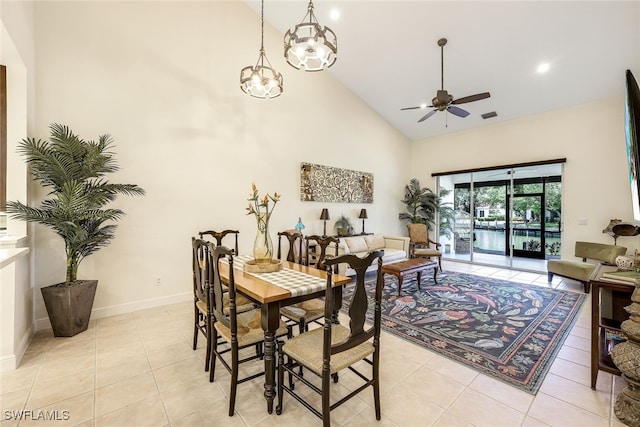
x=423 y=105
x=334 y=14
x=544 y=67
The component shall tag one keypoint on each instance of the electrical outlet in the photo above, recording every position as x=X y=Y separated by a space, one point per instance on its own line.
x=158 y=281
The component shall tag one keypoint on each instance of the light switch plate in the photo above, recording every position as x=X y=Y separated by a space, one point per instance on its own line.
x=583 y=221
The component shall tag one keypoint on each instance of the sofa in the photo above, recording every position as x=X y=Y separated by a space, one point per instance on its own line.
x=582 y=270
x=395 y=249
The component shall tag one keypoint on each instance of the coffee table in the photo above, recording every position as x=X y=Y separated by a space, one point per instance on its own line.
x=413 y=265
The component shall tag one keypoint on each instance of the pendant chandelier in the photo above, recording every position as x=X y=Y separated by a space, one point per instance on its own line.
x=261 y=81
x=310 y=47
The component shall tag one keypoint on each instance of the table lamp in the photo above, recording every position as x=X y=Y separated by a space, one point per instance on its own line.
x=324 y=216
x=363 y=216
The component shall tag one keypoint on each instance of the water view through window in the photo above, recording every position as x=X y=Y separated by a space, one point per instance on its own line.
x=509 y=213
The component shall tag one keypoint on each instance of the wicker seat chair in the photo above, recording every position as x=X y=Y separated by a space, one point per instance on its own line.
x=203 y=315
x=420 y=243
x=312 y=310
x=326 y=351
x=237 y=330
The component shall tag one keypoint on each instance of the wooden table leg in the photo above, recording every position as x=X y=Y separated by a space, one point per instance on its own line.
x=419 y=278
x=399 y=276
x=270 y=322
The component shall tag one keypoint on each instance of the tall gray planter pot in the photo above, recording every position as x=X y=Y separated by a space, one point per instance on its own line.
x=69 y=306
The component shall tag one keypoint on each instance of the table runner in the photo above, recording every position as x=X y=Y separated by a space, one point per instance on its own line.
x=296 y=282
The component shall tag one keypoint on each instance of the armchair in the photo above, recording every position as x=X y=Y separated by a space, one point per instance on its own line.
x=420 y=243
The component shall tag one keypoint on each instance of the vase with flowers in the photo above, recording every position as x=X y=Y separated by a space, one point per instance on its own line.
x=259 y=207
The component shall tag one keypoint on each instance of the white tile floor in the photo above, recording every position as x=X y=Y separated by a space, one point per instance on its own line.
x=138 y=369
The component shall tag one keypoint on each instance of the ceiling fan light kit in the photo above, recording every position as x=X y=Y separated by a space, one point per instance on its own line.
x=444 y=101
x=309 y=46
x=261 y=81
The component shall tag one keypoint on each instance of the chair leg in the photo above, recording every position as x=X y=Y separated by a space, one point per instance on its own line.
x=303 y=327
x=549 y=276
x=376 y=383
x=280 y=378
x=213 y=344
x=440 y=263
x=207 y=359
x=326 y=408
x=234 y=380
x=587 y=286
x=196 y=320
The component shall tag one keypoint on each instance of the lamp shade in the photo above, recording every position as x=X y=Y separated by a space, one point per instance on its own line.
x=325 y=214
x=363 y=214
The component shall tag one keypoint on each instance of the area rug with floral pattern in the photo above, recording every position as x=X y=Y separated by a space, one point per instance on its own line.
x=511 y=331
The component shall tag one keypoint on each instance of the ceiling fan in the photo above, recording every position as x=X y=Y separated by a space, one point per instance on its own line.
x=443 y=100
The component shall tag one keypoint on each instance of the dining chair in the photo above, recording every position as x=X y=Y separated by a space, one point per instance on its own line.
x=305 y=312
x=322 y=243
x=219 y=235
x=328 y=350
x=237 y=330
x=202 y=278
x=295 y=245
x=420 y=243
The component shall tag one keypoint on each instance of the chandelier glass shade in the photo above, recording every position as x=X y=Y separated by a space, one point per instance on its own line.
x=261 y=81
x=309 y=46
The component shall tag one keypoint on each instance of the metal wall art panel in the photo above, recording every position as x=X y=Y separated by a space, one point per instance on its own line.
x=328 y=184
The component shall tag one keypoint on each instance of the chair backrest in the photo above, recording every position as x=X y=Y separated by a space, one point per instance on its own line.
x=418 y=233
x=216 y=291
x=202 y=271
x=323 y=242
x=200 y=263
x=357 y=307
x=295 y=245
x=219 y=235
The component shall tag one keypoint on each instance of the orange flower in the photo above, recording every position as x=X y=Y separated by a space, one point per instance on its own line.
x=256 y=203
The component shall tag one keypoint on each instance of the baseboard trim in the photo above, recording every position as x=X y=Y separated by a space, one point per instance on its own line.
x=99 y=313
x=8 y=363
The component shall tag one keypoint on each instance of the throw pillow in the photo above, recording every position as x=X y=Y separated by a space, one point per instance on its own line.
x=356 y=244
x=375 y=242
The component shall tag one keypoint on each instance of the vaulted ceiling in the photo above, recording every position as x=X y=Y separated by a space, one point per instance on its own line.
x=389 y=57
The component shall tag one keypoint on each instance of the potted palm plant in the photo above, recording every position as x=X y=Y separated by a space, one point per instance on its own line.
x=73 y=171
x=421 y=207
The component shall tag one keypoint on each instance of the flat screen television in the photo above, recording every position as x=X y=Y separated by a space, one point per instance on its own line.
x=632 y=127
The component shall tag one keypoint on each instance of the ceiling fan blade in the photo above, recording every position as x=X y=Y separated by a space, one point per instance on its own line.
x=426 y=116
x=410 y=108
x=456 y=111
x=476 y=97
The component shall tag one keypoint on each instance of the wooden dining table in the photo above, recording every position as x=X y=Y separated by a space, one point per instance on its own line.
x=293 y=284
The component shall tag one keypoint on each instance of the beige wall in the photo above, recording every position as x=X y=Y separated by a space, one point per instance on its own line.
x=590 y=136
x=163 y=79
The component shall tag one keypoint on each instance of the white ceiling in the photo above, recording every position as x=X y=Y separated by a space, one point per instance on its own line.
x=388 y=54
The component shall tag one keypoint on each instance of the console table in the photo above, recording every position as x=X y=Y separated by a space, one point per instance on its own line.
x=606 y=318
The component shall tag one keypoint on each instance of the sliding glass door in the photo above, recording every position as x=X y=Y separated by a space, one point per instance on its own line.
x=507 y=217
x=525 y=226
